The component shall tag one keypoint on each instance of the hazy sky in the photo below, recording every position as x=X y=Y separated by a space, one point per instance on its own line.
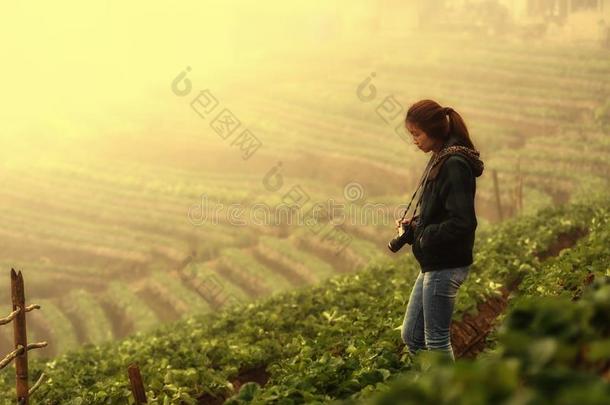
x=69 y=66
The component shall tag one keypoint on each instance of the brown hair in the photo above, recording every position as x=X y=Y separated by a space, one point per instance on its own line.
x=429 y=116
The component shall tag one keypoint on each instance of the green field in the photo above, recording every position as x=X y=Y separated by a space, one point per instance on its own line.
x=107 y=224
x=340 y=339
x=209 y=189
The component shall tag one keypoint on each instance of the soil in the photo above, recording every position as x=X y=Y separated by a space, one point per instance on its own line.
x=468 y=336
x=258 y=374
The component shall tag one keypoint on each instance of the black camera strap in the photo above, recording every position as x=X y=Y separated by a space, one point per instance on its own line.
x=423 y=182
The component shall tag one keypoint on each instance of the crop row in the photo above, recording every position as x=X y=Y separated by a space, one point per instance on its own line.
x=330 y=341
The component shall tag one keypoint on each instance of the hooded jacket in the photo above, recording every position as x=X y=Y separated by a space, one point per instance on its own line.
x=443 y=236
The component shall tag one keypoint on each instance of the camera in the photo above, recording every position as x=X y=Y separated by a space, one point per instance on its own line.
x=405 y=235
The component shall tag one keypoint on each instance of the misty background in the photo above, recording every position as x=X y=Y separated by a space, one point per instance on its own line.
x=103 y=164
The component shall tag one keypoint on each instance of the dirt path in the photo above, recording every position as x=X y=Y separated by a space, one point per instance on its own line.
x=468 y=336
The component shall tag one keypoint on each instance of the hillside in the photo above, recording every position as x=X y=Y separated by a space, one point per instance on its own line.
x=78 y=212
x=340 y=339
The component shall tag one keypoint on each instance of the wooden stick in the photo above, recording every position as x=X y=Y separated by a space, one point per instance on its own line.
x=137 y=386
x=12 y=315
x=520 y=187
x=497 y=192
x=20 y=334
x=32 y=307
x=38 y=345
x=8 y=319
x=515 y=193
x=37 y=385
x=10 y=357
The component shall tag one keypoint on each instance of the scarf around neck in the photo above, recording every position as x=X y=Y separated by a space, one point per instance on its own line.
x=472 y=156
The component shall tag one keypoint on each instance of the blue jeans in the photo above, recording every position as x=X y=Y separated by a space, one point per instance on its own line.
x=427 y=321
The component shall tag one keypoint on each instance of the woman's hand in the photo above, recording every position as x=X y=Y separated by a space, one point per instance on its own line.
x=405 y=221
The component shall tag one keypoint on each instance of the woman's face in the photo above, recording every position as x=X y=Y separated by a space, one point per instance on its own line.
x=421 y=139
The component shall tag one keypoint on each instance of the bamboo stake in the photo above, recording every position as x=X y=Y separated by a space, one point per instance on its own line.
x=497 y=192
x=20 y=334
x=137 y=386
x=520 y=187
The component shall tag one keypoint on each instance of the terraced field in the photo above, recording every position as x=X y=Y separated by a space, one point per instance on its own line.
x=535 y=305
x=107 y=236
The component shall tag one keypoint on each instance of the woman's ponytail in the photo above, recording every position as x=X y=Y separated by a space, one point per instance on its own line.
x=430 y=117
x=457 y=127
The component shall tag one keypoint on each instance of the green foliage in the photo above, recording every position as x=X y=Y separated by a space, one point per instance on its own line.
x=82 y=305
x=58 y=322
x=551 y=351
x=602 y=116
x=567 y=273
x=303 y=265
x=340 y=339
x=119 y=295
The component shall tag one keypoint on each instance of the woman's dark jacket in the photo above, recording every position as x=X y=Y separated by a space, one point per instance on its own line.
x=443 y=236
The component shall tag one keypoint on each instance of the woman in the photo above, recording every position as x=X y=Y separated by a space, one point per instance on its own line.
x=442 y=235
